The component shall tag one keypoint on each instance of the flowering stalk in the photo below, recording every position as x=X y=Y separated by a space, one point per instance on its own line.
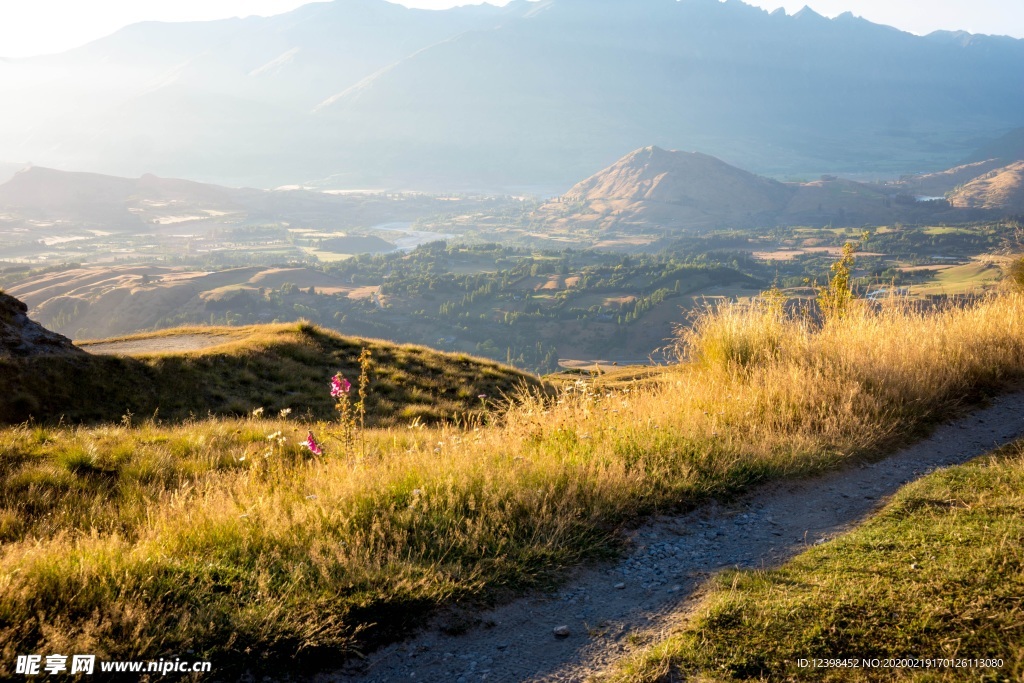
x=364 y=382
x=340 y=388
x=312 y=445
x=352 y=418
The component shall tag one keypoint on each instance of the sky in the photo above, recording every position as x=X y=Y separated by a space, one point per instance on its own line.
x=32 y=27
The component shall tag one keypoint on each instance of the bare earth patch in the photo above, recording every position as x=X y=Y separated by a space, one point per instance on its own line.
x=606 y=608
x=167 y=344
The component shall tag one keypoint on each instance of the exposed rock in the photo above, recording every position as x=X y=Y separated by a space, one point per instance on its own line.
x=21 y=337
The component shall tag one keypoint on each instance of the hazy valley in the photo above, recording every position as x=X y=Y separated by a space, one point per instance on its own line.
x=601 y=273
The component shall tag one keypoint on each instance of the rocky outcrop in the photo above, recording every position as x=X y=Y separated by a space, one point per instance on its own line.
x=21 y=337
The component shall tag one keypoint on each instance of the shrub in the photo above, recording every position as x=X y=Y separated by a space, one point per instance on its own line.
x=1015 y=275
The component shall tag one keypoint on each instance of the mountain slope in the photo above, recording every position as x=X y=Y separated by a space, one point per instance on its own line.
x=654 y=191
x=1002 y=188
x=196 y=99
x=1007 y=148
x=938 y=184
x=116 y=300
x=306 y=53
x=114 y=202
x=673 y=189
x=571 y=84
x=656 y=175
x=533 y=94
x=72 y=200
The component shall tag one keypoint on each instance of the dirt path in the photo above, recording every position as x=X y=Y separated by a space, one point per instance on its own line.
x=669 y=559
x=165 y=344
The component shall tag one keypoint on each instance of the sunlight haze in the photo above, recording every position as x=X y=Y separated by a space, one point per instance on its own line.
x=49 y=26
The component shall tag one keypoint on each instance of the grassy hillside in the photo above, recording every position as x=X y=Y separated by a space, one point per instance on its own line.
x=100 y=302
x=226 y=539
x=274 y=367
x=652 y=188
x=938 y=574
x=1002 y=188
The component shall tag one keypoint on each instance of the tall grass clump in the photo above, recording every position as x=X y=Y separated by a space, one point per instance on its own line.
x=876 y=371
x=226 y=537
x=1015 y=275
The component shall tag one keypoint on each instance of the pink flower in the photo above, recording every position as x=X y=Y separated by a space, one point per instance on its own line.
x=339 y=386
x=312 y=445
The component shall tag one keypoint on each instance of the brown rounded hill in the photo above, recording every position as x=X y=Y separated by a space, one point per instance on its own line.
x=1002 y=188
x=672 y=189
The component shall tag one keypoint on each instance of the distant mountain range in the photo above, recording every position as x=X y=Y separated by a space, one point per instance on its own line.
x=364 y=93
x=655 y=190
x=46 y=194
x=1009 y=147
x=36 y=195
x=648 y=189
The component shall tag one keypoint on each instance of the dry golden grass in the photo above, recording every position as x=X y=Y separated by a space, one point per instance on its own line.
x=997 y=189
x=150 y=540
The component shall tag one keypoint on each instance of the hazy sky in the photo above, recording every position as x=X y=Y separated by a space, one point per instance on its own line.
x=29 y=27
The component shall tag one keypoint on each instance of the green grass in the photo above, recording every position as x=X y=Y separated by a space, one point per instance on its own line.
x=275 y=367
x=948 y=231
x=326 y=256
x=974 y=277
x=937 y=574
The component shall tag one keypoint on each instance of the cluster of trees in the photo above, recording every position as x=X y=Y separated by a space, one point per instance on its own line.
x=495 y=297
x=636 y=309
x=538 y=356
x=487 y=298
x=913 y=244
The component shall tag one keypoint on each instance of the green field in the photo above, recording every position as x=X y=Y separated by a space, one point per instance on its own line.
x=970 y=278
